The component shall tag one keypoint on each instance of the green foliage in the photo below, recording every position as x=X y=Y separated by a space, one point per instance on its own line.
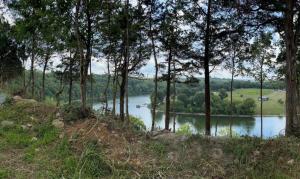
x=185 y=129
x=137 y=123
x=4 y=173
x=93 y=163
x=223 y=93
x=73 y=112
x=8 y=101
x=16 y=137
x=46 y=133
x=194 y=103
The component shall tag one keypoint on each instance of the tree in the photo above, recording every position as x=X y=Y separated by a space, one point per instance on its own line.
x=223 y=94
x=174 y=42
x=10 y=60
x=283 y=17
x=262 y=54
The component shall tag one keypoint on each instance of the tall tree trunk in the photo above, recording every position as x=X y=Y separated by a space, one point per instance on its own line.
x=114 y=89
x=91 y=82
x=127 y=58
x=70 y=79
x=206 y=70
x=156 y=69
x=107 y=86
x=122 y=95
x=44 y=74
x=167 y=116
x=292 y=120
x=32 y=67
x=174 y=96
x=261 y=100
x=24 y=77
x=82 y=60
x=231 y=92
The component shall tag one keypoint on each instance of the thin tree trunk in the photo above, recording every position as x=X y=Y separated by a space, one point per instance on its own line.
x=167 y=117
x=206 y=71
x=91 y=78
x=122 y=95
x=70 y=79
x=127 y=58
x=292 y=120
x=44 y=74
x=24 y=77
x=156 y=69
x=114 y=90
x=32 y=67
x=261 y=100
x=107 y=86
x=82 y=64
x=174 y=96
x=231 y=93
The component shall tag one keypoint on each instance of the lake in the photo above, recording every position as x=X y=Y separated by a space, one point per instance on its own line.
x=250 y=126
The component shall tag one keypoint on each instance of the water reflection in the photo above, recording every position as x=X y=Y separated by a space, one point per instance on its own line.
x=272 y=126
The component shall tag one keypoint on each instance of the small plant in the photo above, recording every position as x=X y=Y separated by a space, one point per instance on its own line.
x=280 y=101
x=137 y=123
x=8 y=101
x=184 y=130
x=93 y=164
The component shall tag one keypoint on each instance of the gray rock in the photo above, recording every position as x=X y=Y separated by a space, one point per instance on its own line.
x=17 y=98
x=24 y=127
x=8 y=124
x=58 y=123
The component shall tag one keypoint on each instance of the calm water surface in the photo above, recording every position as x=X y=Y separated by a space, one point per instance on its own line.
x=272 y=126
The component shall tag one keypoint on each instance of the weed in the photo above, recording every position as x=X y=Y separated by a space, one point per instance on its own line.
x=137 y=123
x=93 y=163
x=185 y=129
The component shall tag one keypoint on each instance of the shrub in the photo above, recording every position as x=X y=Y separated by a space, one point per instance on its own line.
x=280 y=101
x=8 y=101
x=137 y=123
x=74 y=112
x=185 y=129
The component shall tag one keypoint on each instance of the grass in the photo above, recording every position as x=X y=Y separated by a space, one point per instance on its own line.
x=270 y=107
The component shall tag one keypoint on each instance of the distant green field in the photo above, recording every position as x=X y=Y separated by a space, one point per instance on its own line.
x=270 y=107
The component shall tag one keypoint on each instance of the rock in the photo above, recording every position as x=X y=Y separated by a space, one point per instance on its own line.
x=58 y=115
x=256 y=153
x=17 y=98
x=58 y=124
x=24 y=127
x=33 y=119
x=7 y=124
x=172 y=156
x=62 y=135
x=34 y=139
x=290 y=162
x=29 y=125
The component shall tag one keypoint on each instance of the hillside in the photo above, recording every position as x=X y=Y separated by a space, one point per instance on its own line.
x=99 y=147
